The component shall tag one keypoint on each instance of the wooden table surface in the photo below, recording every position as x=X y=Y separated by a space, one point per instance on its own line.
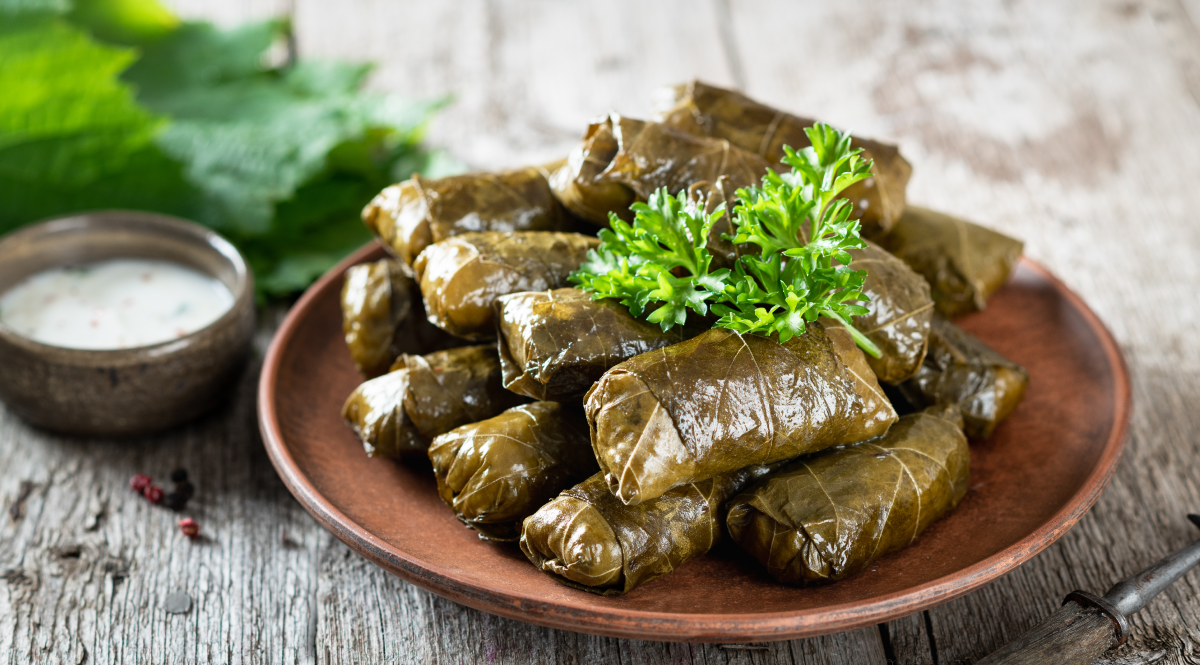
x=1072 y=125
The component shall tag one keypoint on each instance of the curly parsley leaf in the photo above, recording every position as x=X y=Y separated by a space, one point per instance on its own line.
x=804 y=233
x=659 y=264
x=659 y=261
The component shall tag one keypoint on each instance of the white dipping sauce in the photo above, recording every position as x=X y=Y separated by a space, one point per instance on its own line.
x=114 y=304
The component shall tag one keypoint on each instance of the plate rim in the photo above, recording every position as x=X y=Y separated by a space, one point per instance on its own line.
x=635 y=624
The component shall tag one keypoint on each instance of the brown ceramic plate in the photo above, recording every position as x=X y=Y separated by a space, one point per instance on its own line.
x=1040 y=473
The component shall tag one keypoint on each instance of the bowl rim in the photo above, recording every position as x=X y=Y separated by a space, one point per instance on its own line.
x=157 y=223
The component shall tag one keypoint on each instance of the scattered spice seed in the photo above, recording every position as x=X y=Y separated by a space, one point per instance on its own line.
x=139 y=482
x=153 y=494
x=186 y=490
x=189 y=527
x=175 y=501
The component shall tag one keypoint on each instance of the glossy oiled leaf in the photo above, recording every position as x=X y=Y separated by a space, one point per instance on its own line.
x=555 y=344
x=397 y=414
x=496 y=472
x=411 y=215
x=587 y=539
x=830 y=515
x=964 y=263
x=962 y=371
x=622 y=160
x=462 y=276
x=376 y=301
x=722 y=401
x=710 y=111
x=898 y=319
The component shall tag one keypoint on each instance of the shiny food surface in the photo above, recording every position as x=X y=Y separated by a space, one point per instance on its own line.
x=588 y=539
x=411 y=215
x=622 y=160
x=707 y=110
x=496 y=472
x=461 y=277
x=555 y=344
x=579 y=185
x=898 y=322
x=397 y=414
x=375 y=411
x=376 y=303
x=115 y=304
x=723 y=401
x=960 y=369
x=455 y=387
x=964 y=263
x=830 y=515
x=1030 y=482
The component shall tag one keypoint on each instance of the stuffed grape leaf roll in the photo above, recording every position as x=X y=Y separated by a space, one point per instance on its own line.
x=555 y=344
x=622 y=160
x=397 y=414
x=383 y=317
x=898 y=322
x=496 y=472
x=376 y=302
x=723 y=401
x=706 y=110
x=962 y=371
x=461 y=277
x=830 y=515
x=587 y=539
x=964 y=263
x=410 y=216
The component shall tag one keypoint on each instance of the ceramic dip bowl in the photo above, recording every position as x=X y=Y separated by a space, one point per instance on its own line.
x=122 y=392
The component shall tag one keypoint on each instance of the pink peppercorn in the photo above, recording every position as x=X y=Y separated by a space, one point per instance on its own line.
x=139 y=482
x=153 y=494
x=189 y=527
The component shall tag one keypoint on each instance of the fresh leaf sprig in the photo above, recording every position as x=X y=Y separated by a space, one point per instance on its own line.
x=804 y=233
x=659 y=258
x=803 y=230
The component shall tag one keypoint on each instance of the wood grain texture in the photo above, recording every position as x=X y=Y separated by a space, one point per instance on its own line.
x=1073 y=125
x=1072 y=635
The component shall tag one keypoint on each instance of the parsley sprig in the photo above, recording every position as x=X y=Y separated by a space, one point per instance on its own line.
x=802 y=229
x=660 y=258
x=804 y=232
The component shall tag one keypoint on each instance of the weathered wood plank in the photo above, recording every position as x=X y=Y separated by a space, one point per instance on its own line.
x=85 y=564
x=1070 y=125
x=368 y=614
x=526 y=76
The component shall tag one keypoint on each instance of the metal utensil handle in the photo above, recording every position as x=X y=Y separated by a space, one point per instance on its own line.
x=1086 y=626
x=1131 y=594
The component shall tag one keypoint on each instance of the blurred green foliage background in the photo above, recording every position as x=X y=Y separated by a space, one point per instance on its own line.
x=120 y=104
